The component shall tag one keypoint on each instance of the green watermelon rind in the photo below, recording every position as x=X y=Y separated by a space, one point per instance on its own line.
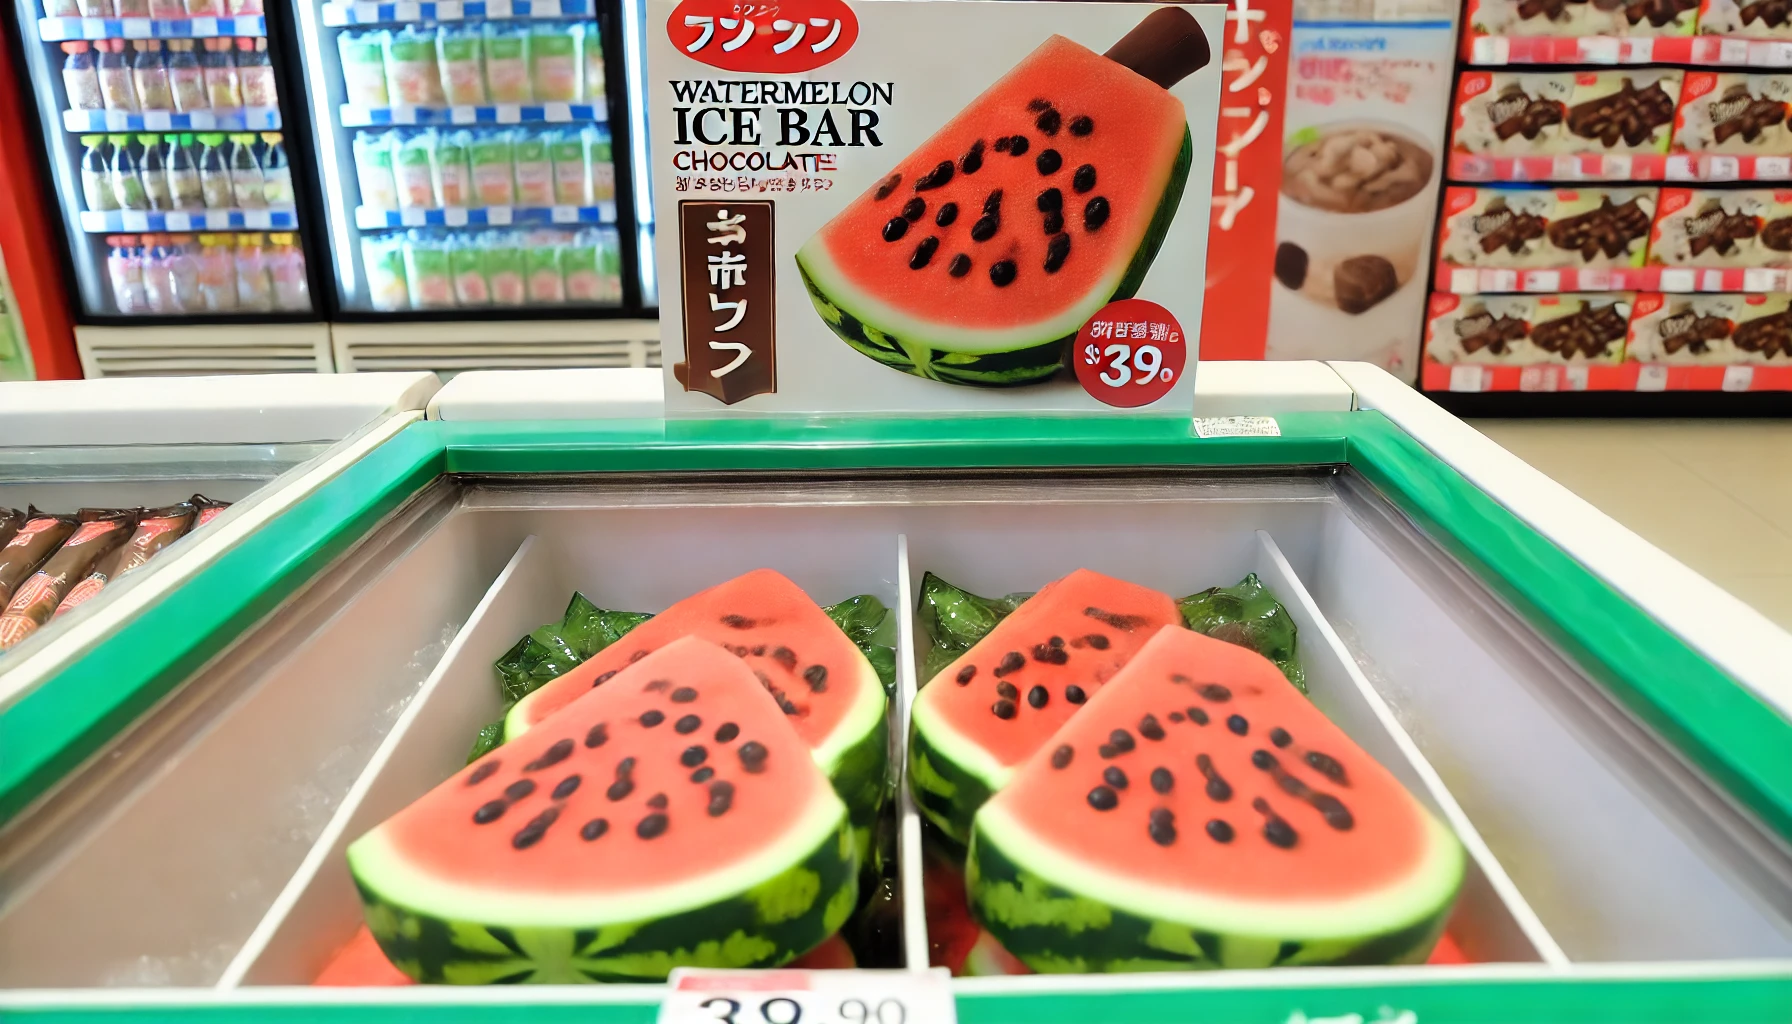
x=1017 y=361
x=1063 y=917
x=946 y=793
x=762 y=919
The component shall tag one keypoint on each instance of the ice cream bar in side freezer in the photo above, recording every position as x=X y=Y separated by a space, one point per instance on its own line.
x=34 y=602
x=35 y=541
x=157 y=529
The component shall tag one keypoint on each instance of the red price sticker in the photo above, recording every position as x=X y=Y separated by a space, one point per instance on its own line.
x=1130 y=354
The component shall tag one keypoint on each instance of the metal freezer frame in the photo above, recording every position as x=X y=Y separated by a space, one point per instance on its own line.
x=1716 y=722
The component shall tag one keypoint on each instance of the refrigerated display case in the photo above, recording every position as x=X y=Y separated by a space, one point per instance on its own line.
x=163 y=130
x=469 y=156
x=1604 y=731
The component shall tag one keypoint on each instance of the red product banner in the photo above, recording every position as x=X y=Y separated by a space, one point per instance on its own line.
x=1247 y=176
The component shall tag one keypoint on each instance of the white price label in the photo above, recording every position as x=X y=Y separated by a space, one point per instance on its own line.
x=1638 y=49
x=1237 y=426
x=809 y=997
x=1575 y=377
x=1678 y=279
x=557 y=112
x=1719 y=167
x=510 y=113
x=1468 y=378
x=1773 y=168
x=1761 y=279
x=1652 y=377
x=138 y=28
x=463 y=115
x=564 y=215
x=1738 y=378
x=1616 y=167
x=1543 y=281
x=1733 y=51
x=1598 y=49
x=407 y=11
x=158 y=120
x=1499 y=279
x=449 y=10
x=1679 y=168
x=454 y=216
x=1465 y=280
x=497 y=215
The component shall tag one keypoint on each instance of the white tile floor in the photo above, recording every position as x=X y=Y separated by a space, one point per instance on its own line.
x=1716 y=494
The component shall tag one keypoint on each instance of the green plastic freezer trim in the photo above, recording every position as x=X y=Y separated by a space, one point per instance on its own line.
x=1716 y=722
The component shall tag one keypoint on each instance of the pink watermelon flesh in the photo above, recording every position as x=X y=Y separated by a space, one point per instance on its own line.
x=1024 y=210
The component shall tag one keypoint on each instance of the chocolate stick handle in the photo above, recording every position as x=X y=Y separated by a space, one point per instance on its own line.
x=1166 y=47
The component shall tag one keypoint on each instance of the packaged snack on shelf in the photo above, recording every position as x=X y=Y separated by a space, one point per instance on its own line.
x=413 y=167
x=554 y=62
x=1505 y=113
x=1733 y=112
x=591 y=52
x=209 y=509
x=1712 y=330
x=364 y=68
x=580 y=261
x=382 y=257
x=373 y=170
x=494 y=177
x=572 y=174
x=1524 y=330
x=1747 y=19
x=412 y=77
x=1722 y=228
x=427 y=271
x=466 y=260
x=603 y=168
x=34 y=601
x=547 y=282
x=1521 y=228
x=534 y=169
x=150 y=169
x=1580 y=18
x=505 y=268
x=1622 y=111
x=460 y=51
x=454 y=173
x=507 y=62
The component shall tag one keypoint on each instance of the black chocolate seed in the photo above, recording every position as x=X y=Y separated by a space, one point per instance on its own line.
x=531 y=833
x=1049 y=122
x=895 y=228
x=1038 y=697
x=1279 y=736
x=992 y=203
x=1074 y=694
x=1333 y=811
x=625 y=767
x=652 y=717
x=652 y=827
x=1054 y=223
x=657 y=801
x=758 y=651
x=1097 y=641
x=550 y=757
x=1007 y=691
x=1049 y=200
x=1081 y=125
x=888 y=186
x=1002 y=273
x=1262 y=759
x=948 y=212
x=1177 y=716
x=1121 y=739
x=1056 y=641
x=1049 y=655
x=737 y=622
x=1150 y=728
x=752 y=756
x=1004 y=709
x=1115 y=619
x=693 y=755
x=594 y=829
x=687 y=725
x=490 y=811
x=817 y=675
x=1162 y=826
x=1214 y=692
x=1107 y=750
x=972 y=161
x=1061 y=756
x=1103 y=799
x=1017 y=146
x=985 y=229
x=941 y=173
x=1056 y=252
x=1083 y=179
x=1278 y=832
x=703 y=774
x=519 y=789
x=966 y=674
x=1113 y=776
x=1161 y=780
x=1198 y=716
x=727 y=732
x=1003 y=143
x=481 y=773
x=914 y=209
x=566 y=787
x=1237 y=724
x=1217 y=788
x=923 y=255
x=1219 y=830
x=960 y=265
x=721 y=797
x=1037 y=104
x=1011 y=662
x=1095 y=213
x=636 y=656
x=621 y=788
x=1048 y=161
x=1327 y=766
x=785 y=657
x=683 y=695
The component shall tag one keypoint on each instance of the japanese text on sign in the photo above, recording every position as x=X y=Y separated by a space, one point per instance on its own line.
x=728 y=289
x=1130 y=354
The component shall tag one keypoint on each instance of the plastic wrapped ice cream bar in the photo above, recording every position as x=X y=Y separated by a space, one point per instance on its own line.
x=100 y=531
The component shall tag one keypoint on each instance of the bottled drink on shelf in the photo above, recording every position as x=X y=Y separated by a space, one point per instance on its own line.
x=96 y=8
x=127 y=183
x=182 y=172
x=246 y=183
x=460 y=53
x=167 y=9
x=276 y=173
x=598 y=159
x=453 y=172
x=149 y=73
x=286 y=268
x=591 y=48
x=413 y=166
x=124 y=267
x=222 y=89
x=364 y=68
x=152 y=169
x=373 y=170
x=507 y=62
x=534 y=169
x=254 y=291
x=186 y=78
x=96 y=176
x=217 y=273
x=554 y=63
x=132 y=8
x=214 y=172
x=80 y=78
x=116 y=89
x=205 y=8
x=427 y=271
x=246 y=7
x=61 y=9
x=412 y=77
x=255 y=73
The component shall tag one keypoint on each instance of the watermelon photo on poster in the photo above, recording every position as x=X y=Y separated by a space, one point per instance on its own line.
x=924 y=224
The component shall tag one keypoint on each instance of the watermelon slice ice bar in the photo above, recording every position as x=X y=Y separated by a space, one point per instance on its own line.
x=986 y=713
x=670 y=817
x=981 y=254
x=1201 y=813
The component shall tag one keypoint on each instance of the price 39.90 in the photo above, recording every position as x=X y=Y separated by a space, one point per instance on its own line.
x=782 y=1009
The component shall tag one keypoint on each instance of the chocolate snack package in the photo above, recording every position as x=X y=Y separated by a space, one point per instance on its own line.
x=1582 y=18
x=208 y=509
x=10 y=521
x=1504 y=113
x=1732 y=112
x=1746 y=19
x=1520 y=228
x=157 y=529
x=34 y=542
x=1712 y=330
x=33 y=602
x=1622 y=111
x=1710 y=228
x=1527 y=330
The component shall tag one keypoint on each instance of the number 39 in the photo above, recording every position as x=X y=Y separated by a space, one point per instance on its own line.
x=780 y=1010
x=1148 y=360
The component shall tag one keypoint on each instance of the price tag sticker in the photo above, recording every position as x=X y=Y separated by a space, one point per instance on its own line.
x=1130 y=354
x=700 y=996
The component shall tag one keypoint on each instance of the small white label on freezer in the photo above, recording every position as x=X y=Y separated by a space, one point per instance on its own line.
x=497 y=8
x=1771 y=55
x=1616 y=167
x=1738 y=378
x=557 y=112
x=1637 y=49
x=811 y=997
x=463 y=115
x=1237 y=426
x=260 y=219
x=1575 y=378
x=1499 y=279
x=204 y=27
x=157 y=120
x=414 y=218
x=1760 y=279
x=1679 y=168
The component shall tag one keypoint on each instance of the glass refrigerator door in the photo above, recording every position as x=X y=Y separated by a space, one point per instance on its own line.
x=162 y=122
x=465 y=151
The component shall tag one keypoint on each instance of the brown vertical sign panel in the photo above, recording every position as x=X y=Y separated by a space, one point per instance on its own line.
x=725 y=254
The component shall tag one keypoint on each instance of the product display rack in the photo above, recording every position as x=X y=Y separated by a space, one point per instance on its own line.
x=1490 y=604
x=1565 y=387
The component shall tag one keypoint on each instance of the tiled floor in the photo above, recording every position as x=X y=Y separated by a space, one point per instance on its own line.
x=1716 y=494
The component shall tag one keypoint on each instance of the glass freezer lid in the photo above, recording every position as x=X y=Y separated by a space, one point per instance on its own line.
x=1580 y=751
